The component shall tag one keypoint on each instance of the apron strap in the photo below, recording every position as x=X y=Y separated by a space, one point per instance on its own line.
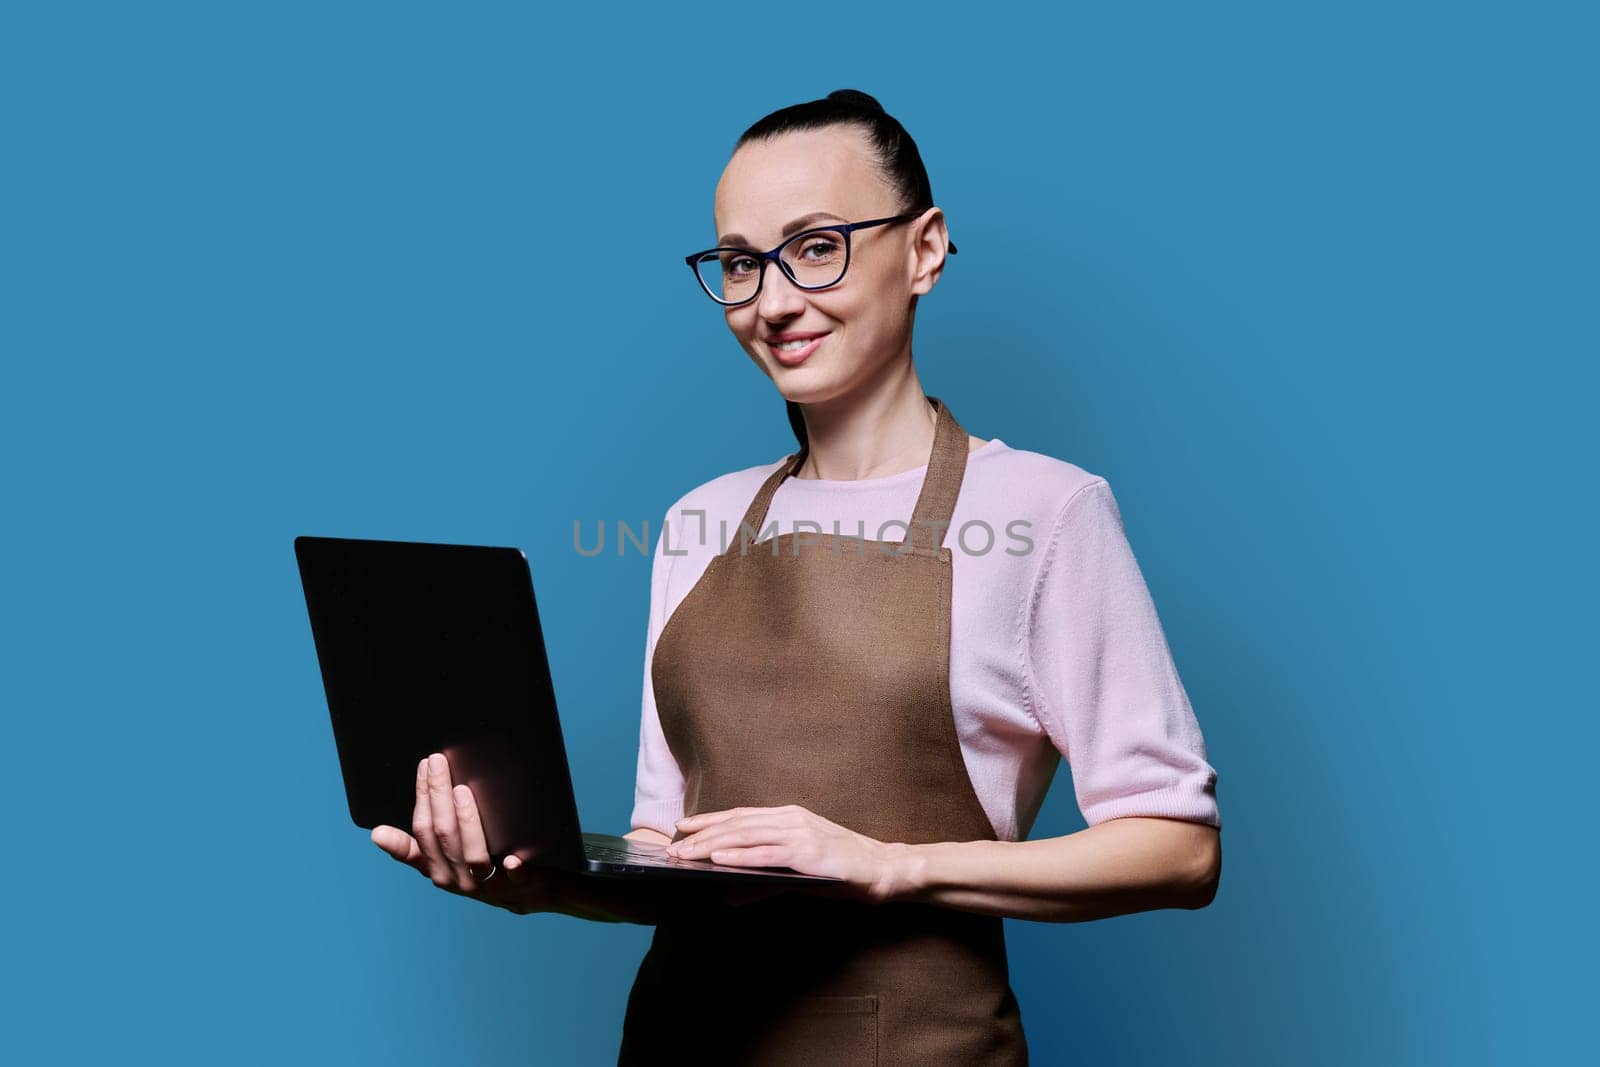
x=930 y=521
x=756 y=513
x=936 y=503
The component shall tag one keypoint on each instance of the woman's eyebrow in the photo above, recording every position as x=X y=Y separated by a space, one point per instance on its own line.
x=792 y=226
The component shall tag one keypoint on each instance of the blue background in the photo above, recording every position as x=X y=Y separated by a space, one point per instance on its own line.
x=1313 y=289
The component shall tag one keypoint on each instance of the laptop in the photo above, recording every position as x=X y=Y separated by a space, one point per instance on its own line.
x=439 y=648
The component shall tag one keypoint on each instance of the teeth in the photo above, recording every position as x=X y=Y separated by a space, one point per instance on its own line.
x=790 y=346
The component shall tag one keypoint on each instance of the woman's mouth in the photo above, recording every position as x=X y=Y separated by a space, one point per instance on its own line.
x=794 y=353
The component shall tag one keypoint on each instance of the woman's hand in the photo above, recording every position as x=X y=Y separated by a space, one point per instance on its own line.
x=792 y=836
x=449 y=845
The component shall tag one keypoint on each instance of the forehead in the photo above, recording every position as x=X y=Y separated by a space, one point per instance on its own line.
x=767 y=183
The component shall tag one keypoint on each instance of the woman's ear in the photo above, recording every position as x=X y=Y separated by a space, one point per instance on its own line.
x=928 y=249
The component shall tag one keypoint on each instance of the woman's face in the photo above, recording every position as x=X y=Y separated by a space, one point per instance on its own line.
x=866 y=319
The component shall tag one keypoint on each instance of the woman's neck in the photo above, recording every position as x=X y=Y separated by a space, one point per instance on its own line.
x=872 y=434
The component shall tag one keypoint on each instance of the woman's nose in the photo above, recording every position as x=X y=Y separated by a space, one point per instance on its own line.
x=780 y=298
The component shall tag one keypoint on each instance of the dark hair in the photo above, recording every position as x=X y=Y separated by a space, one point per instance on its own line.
x=896 y=153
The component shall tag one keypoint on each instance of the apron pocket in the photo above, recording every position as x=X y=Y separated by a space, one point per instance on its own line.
x=835 y=1031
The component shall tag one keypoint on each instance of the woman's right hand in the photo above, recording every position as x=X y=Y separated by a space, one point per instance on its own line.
x=447 y=844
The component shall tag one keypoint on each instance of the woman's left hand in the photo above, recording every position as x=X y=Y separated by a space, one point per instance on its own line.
x=791 y=836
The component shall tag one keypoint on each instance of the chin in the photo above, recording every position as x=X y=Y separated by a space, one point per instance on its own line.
x=811 y=392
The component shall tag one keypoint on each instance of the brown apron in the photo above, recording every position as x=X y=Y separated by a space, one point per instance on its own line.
x=817 y=674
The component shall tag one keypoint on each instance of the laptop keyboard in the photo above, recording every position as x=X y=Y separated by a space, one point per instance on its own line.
x=639 y=857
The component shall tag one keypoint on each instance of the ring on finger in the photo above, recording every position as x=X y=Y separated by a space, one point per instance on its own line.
x=483 y=877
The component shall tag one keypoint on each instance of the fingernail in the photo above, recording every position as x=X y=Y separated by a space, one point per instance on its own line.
x=463 y=794
x=436 y=763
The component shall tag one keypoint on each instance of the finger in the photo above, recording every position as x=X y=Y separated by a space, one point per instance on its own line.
x=766 y=828
x=691 y=823
x=399 y=844
x=738 y=817
x=754 y=856
x=435 y=865
x=445 y=828
x=534 y=887
x=521 y=874
x=474 y=845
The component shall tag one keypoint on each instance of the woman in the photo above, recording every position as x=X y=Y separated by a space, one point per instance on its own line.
x=882 y=693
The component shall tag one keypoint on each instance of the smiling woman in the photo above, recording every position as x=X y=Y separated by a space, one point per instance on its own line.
x=889 y=718
x=892 y=719
x=837 y=193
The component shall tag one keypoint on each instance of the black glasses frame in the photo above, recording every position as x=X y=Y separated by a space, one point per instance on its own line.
x=775 y=256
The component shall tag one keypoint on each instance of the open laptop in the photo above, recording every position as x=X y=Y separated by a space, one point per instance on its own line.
x=439 y=648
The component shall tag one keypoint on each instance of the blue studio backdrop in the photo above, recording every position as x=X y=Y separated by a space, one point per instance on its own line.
x=1313 y=288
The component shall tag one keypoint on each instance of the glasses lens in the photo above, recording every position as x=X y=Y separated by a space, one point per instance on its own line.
x=816 y=259
x=729 y=276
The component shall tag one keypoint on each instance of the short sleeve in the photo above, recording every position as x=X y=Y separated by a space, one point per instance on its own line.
x=658 y=786
x=1103 y=683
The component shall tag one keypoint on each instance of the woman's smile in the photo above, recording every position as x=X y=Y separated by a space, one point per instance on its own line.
x=793 y=352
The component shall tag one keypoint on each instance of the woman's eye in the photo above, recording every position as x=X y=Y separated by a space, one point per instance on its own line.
x=820 y=248
x=739 y=265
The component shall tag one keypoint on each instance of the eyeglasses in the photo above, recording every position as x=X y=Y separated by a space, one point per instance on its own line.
x=812 y=259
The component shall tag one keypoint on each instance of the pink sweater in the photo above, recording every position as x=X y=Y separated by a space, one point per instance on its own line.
x=1056 y=650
